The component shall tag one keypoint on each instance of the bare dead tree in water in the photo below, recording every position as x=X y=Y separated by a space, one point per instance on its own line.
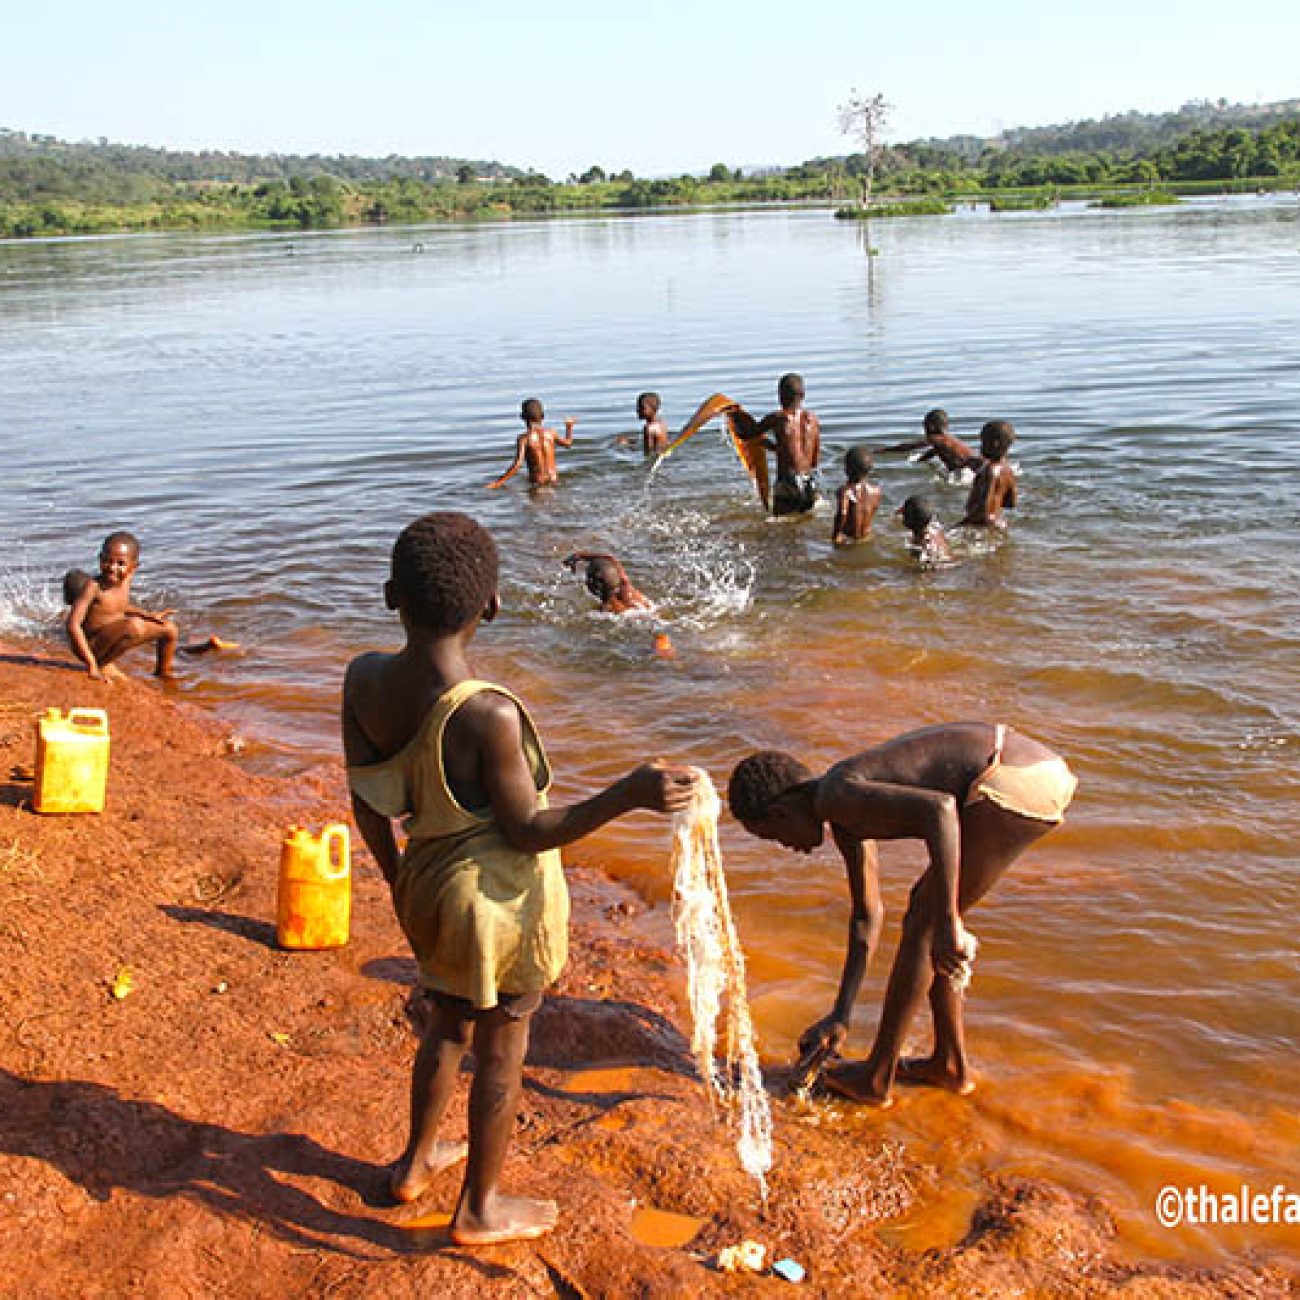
x=863 y=118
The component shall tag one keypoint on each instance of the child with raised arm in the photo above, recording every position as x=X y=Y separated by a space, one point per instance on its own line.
x=938 y=444
x=536 y=447
x=102 y=624
x=654 y=432
x=857 y=500
x=479 y=887
x=977 y=795
x=607 y=580
x=928 y=542
x=994 y=489
x=795 y=435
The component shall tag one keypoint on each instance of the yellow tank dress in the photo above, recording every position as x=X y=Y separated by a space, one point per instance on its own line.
x=482 y=918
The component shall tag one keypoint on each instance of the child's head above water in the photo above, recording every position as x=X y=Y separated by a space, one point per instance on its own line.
x=647 y=406
x=444 y=572
x=604 y=577
x=996 y=438
x=935 y=423
x=531 y=411
x=858 y=463
x=917 y=514
x=790 y=390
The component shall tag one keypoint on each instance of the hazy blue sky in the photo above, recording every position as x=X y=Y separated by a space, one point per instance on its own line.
x=661 y=87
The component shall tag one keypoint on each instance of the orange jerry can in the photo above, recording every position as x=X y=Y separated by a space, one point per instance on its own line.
x=314 y=905
x=71 y=761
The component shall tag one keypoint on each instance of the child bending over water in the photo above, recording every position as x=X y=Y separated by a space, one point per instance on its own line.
x=102 y=624
x=479 y=888
x=857 y=500
x=978 y=796
x=536 y=447
x=953 y=454
x=607 y=580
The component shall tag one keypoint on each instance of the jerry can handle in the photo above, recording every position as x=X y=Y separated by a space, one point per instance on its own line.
x=336 y=834
x=87 y=719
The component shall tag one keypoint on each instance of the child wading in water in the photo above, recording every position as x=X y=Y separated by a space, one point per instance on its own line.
x=978 y=796
x=654 y=432
x=928 y=542
x=796 y=439
x=102 y=624
x=938 y=444
x=479 y=888
x=607 y=580
x=994 y=489
x=536 y=447
x=857 y=500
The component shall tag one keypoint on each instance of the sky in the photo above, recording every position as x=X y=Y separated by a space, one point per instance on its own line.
x=662 y=87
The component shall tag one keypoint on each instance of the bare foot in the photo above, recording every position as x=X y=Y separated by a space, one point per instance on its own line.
x=511 y=1218
x=411 y=1179
x=854 y=1082
x=927 y=1072
x=220 y=643
x=112 y=673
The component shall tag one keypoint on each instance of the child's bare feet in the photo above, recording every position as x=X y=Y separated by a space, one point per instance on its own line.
x=930 y=1072
x=411 y=1177
x=855 y=1082
x=509 y=1218
x=112 y=673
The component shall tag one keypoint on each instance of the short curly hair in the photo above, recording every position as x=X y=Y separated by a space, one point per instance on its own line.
x=444 y=570
x=760 y=779
x=858 y=463
x=996 y=438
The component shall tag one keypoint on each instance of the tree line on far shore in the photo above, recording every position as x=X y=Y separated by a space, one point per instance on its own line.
x=51 y=187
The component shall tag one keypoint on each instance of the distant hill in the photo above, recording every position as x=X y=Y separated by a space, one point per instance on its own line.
x=85 y=158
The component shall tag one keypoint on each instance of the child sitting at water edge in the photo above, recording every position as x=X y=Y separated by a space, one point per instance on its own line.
x=928 y=542
x=994 y=489
x=953 y=454
x=654 y=432
x=857 y=500
x=479 y=889
x=978 y=795
x=102 y=624
x=536 y=447
x=796 y=439
x=607 y=580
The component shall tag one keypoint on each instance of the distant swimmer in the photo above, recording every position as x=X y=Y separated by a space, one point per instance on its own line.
x=654 y=432
x=938 y=444
x=536 y=447
x=928 y=541
x=994 y=489
x=794 y=434
x=857 y=500
x=978 y=796
x=102 y=624
x=607 y=580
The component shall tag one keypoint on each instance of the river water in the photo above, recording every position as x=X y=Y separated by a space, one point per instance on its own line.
x=267 y=412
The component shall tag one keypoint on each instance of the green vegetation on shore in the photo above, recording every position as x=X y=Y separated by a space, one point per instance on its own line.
x=51 y=187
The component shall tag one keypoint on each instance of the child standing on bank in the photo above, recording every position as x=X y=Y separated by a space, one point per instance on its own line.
x=536 y=447
x=102 y=624
x=857 y=500
x=479 y=888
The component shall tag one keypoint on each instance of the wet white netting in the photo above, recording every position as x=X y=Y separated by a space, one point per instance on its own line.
x=715 y=973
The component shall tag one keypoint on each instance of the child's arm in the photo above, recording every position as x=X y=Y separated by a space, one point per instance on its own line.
x=512 y=792
x=375 y=828
x=843 y=511
x=75 y=627
x=514 y=469
x=149 y=615
x=915 y=445
x=866 y=924
x=567 y=440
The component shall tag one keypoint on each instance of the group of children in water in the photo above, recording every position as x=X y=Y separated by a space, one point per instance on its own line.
x=478 y=886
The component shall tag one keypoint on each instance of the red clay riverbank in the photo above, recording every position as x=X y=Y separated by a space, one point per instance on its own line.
x=224 y=1128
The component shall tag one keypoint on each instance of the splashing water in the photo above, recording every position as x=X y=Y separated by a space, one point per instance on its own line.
x=715 y=968
x=28 y=607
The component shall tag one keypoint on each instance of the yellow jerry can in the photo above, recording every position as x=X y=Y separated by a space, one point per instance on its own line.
x=71 y=761
x=314 y=906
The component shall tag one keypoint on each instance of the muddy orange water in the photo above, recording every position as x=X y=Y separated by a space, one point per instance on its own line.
x=266 y=424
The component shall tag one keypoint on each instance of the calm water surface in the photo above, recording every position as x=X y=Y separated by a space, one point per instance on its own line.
x=267 y=413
